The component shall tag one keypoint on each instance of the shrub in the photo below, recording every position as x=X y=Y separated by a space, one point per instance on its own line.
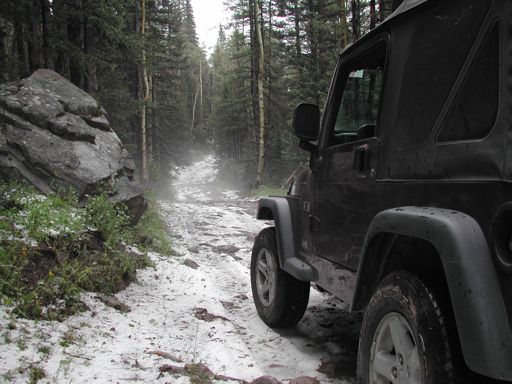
x=51 y=249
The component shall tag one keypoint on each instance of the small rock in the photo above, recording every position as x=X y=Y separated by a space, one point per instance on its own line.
x=194 y=249
x=266 y=380
x=191 y=263
x=112 y=301
x=242 y=296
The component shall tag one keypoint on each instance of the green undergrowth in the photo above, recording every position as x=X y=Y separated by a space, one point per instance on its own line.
x=152 y=233
x=52 y=249
x=267 y=190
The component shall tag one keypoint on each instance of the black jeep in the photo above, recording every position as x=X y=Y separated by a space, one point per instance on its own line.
x=405 y=210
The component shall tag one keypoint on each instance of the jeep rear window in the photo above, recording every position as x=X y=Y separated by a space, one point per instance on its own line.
x=474 y=111
x=437 y=51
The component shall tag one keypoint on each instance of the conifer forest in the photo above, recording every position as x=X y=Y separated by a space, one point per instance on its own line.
x=166 y=95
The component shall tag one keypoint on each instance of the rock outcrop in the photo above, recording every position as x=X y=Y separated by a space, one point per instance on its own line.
x=55 y=136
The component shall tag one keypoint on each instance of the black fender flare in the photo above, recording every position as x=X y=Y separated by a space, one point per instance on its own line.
x=477 y=301
x=279 y=209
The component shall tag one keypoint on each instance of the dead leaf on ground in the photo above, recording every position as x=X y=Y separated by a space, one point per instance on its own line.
x=203 y=314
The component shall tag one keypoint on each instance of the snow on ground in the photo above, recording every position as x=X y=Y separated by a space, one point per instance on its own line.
x=195 y=307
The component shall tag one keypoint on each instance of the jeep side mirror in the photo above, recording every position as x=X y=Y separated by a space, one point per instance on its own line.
x=306 y=122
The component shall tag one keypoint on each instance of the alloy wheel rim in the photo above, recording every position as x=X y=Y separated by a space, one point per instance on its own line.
x=265 y=277
x=394 y=356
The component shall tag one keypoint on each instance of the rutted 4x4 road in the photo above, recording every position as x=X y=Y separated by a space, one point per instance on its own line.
x=216 y=229
x=195 y=307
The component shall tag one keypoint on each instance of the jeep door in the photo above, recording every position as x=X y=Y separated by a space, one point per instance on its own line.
x=345 y=164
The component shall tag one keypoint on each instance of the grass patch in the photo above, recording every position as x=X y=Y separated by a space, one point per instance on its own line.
x=35 y=374
x=152 y=231
x=198 y=374
x=51 y=250
x=267 y=190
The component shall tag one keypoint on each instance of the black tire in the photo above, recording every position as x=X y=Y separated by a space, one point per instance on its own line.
x=404 y=333
x=280 y=304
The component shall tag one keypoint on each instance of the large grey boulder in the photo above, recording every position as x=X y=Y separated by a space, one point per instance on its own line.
x=55 y=136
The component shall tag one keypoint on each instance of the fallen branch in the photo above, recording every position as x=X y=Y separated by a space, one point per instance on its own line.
x=203 y=314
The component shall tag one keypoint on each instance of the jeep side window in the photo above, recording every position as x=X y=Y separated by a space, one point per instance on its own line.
x=432 y=69
x=360 y=100
x=474 y=111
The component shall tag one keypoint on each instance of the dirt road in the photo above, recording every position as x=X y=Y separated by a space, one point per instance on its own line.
x=195 y=307
x=215 y=228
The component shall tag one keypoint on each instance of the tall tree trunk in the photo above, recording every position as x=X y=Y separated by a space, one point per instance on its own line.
x=76 y=37
x=382 y=10
x=194 y=107
x=19 y=31
x=269 y=68
x=145 y=98
x=254 y=71
x=60 y=28
x=261 y=96
x=90 y=75
x=45 y=19
x=314 y=38
x=5 y=59
x=373 y=16
x=150 y=122
x=345 y=30
x=200 y=91
x=155 y=142
x=35 y=44
x=355 y=19
x=296 y=19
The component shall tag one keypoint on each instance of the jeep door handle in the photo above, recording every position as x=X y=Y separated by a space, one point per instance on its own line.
x=317 y=162
x=361 y=160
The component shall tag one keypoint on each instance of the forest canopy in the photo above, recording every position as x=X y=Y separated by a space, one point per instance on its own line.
x=165 y=96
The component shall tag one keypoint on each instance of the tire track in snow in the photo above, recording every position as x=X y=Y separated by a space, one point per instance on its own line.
x=204 y=218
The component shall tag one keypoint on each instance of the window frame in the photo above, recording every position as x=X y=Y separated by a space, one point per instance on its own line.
x=338 y=87
x=485 y=32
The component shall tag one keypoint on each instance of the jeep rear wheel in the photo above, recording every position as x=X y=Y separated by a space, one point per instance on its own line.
x=403 y=337
x=280 y=299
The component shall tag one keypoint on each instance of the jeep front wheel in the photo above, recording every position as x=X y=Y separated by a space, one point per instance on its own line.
x=403 y=337
x=280 y=299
